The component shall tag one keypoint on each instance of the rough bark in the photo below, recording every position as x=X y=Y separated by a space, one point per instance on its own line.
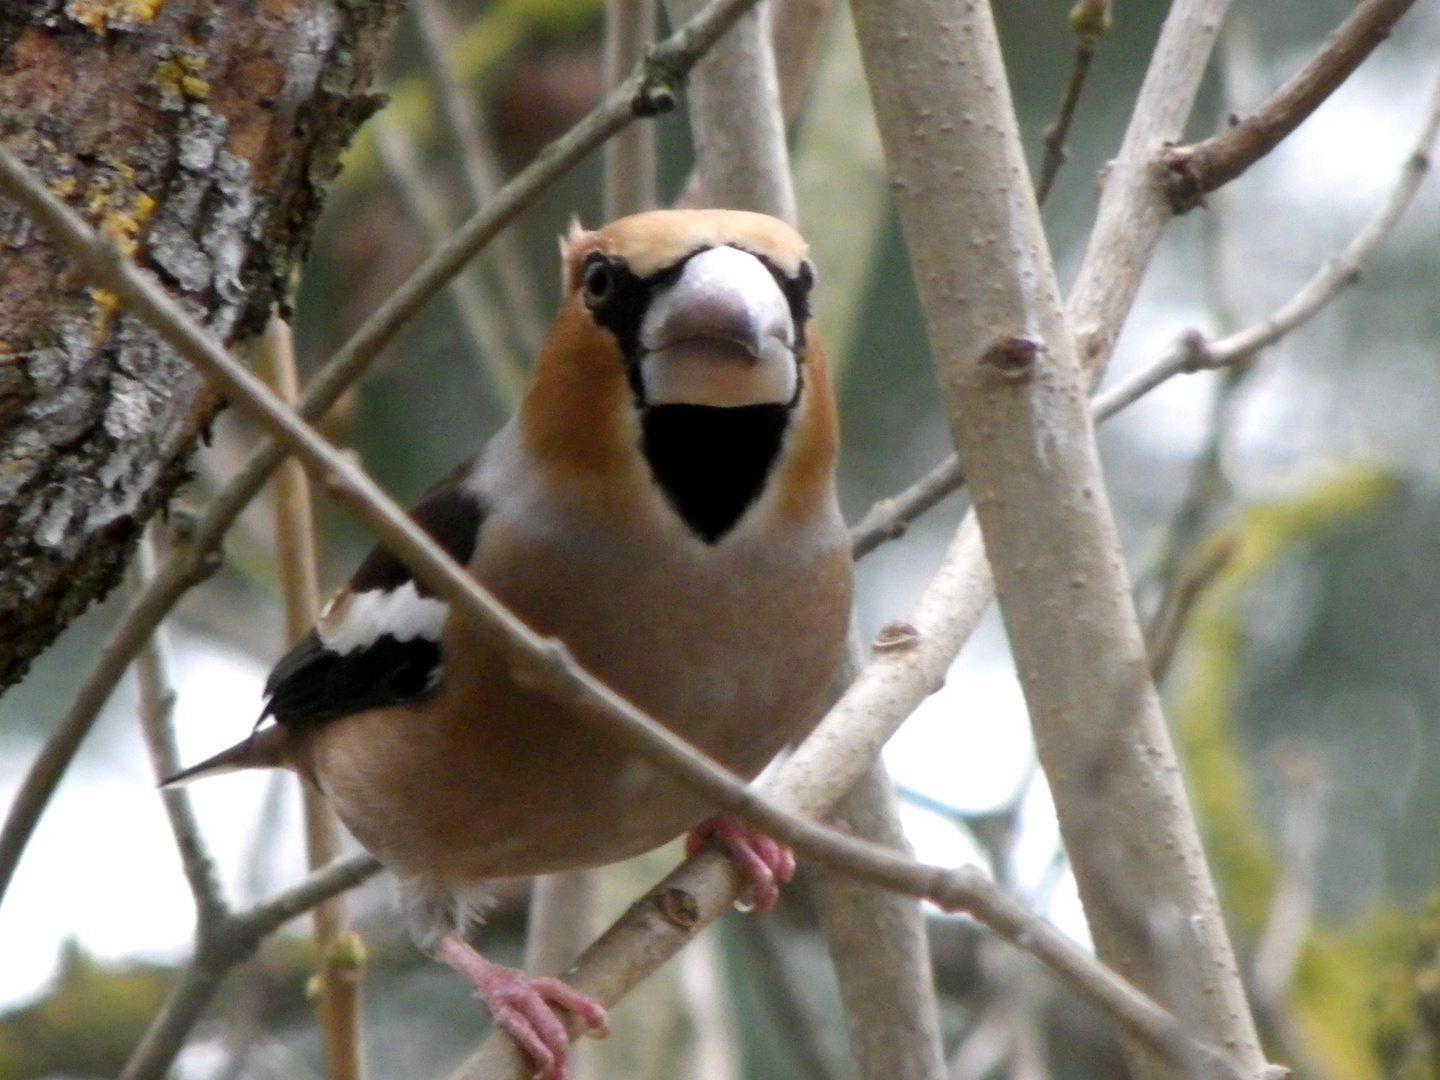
x=200 y=135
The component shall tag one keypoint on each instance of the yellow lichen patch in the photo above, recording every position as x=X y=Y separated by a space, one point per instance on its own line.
x=99 y=15
x=119 y=213
x=125 y=225
x=179 y=78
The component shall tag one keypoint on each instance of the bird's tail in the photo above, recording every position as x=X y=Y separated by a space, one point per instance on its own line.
x=264 y=749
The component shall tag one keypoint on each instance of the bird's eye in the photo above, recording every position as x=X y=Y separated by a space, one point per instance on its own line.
x=599 y=280
x=805 y=277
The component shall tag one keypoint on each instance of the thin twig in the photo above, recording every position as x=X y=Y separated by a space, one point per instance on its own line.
x=479 y=313
x=562 y=920
x=780 y=983
x=1307 y=782
x=1193 y=171
x=1193 y=352
x=890 y=519
x=1133 y=211
x=503 y=263
x=187 y=567
x=336 y=946
x=630 y=178
x=879 y=948
x=795 y=27
x=1207 y=485
x=1089 y=21
x=650 y=90
x=547 y=664
x=157 y=715
x=1163 y=633
x=226 y=942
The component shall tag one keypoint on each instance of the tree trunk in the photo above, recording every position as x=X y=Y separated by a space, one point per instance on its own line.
x=200 y=136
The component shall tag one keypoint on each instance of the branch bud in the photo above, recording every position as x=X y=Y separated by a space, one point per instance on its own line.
x=1089 y=19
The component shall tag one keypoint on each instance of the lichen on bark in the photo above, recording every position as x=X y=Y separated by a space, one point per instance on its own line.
x=200 y=136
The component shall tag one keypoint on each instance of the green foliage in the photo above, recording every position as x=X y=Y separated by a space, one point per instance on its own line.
x=88 y=1024
x=1365 y=996
x=1203 y=707
x=1406 y=1033
x=1339 y=983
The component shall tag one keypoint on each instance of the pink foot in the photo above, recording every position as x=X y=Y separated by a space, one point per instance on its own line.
x=762 y=859
x=521 y=1004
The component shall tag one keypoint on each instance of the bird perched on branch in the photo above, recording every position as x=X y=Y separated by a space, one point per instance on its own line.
x=664 y=503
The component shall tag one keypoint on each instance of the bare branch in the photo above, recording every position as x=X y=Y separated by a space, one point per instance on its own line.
x=504 y=262
x=890 y=519
x=157 y=711
x=630 y=156
x=796 y=27
x=562 y=920
x=220 y=947
x=479 y=314
x=1307 y=782
x=1193 y=171
x=1133 y=209
x=337 y=947
x=1194 y=353
x=881 y=954
x=736 y=122
x=1089 y=20
x=1016 y=396
x=1164 y=633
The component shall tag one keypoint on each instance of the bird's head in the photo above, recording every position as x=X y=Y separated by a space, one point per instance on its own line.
x=683 y=357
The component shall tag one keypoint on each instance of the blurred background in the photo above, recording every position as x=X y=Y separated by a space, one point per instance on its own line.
x=1297 y=499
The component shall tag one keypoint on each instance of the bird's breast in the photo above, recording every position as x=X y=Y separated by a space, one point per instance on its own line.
x=734 y=647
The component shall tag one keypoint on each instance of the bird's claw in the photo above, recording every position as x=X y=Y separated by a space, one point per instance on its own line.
x=764 y=861
x=521 y=1005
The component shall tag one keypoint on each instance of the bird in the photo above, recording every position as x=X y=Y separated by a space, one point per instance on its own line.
x=663 y=501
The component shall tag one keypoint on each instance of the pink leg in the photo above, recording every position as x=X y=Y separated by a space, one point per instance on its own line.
x=762 y=859
x=521 y=1004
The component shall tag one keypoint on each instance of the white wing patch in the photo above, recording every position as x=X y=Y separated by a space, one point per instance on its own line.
x=357 y=620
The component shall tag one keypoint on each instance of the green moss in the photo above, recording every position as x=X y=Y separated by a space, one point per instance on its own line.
x=1365 y=998
x=88 y=1024
x=1203 y=706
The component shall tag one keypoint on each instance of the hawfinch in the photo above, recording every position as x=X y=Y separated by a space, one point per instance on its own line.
x=664 y=503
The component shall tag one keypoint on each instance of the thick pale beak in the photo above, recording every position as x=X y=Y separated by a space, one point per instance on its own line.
x=722 y=334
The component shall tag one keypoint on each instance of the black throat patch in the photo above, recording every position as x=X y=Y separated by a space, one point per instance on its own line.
x=712 y=462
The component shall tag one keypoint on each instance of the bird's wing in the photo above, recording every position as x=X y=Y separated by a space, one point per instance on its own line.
x=378 y=641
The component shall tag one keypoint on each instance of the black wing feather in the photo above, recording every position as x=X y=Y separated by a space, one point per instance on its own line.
x=313 y=683
x=449 y=513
